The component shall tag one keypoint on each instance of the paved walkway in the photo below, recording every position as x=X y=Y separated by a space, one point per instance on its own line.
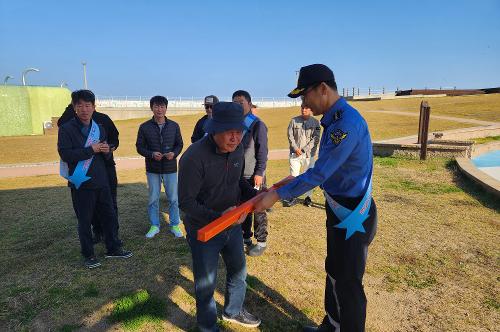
x=438 y=117
x=123 y=163
x=468 y=132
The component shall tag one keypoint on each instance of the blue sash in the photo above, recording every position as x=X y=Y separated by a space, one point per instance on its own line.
x=80 y=174
x=248 y=122
x=352 y=220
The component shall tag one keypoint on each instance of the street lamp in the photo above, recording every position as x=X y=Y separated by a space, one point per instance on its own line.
x=26 y=71
x=84 y=74
x=8 y=77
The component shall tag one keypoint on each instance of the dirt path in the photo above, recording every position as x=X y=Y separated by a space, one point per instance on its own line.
x=439 y=117
x=462 y=132
x=123 y=163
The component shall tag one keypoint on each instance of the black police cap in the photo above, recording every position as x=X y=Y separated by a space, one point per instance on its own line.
x=309 y=76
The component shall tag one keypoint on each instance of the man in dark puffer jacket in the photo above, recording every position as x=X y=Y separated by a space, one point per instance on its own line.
x=159 y=140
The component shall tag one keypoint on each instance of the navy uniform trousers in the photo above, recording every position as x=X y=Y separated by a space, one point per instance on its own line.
x=345 y=300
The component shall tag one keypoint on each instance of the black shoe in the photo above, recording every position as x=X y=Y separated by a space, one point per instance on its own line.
x=247 y=243
x=289 y=203
x=308 y=202
x=120 y=253
x=321 y=328
x=324 y=327
x=244 y=318
x=91 y=262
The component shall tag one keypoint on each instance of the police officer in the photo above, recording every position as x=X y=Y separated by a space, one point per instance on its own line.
x=344 y=171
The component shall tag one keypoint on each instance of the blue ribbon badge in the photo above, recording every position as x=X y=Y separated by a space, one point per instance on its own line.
x=80 y=174
x=248 y=121
x=352 y=220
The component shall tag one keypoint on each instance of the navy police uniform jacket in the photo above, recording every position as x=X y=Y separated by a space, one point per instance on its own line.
x=345 y=158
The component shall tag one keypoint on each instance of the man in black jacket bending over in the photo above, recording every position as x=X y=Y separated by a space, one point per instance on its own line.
x=83 y=148
x=159 y=140
x=210 y=183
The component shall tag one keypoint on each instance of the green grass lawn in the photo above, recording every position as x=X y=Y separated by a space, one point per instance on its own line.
x=32 y=149
x=433 y=265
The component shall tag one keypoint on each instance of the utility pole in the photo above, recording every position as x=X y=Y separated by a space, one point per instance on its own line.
x=84 y=74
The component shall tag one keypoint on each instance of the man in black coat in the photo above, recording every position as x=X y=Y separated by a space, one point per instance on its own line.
x=199 y=132
x=159 y=141
x=83 y=148
x=113 y=141
x=210 y=183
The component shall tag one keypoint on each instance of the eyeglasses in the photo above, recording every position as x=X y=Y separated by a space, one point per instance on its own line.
x=208 y=107
x=309 y=89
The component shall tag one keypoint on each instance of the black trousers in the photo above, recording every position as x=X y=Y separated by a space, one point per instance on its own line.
x=345 y=300
x=113 y=184
x=90 y=202
x=259 y=223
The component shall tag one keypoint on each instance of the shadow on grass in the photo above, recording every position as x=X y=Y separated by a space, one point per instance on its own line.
x=300 y=201
x=44 y=284
x=276 y=312
x=473 y=189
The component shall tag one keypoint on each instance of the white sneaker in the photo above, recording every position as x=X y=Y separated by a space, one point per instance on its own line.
x=152 y=232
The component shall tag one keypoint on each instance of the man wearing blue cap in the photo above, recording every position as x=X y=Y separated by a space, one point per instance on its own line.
x=344 y=172
x=210 y=183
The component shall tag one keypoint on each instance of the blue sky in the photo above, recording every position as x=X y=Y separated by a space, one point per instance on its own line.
x=194 y=48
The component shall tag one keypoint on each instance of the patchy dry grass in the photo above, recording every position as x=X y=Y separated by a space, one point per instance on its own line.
x=433 y=265
x=484 y=140
x=480 y=107
x=30 y=149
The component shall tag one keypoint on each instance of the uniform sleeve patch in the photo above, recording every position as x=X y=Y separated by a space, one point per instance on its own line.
x=337 y=136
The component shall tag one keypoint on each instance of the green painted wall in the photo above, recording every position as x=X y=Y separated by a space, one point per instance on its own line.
x=23 y=109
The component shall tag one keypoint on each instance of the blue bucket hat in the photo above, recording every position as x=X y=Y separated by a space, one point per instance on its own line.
x=225 y=116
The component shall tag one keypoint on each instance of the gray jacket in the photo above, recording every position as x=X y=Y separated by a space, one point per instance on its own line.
x=304 y=135
x=255 y=146
x=210 y=182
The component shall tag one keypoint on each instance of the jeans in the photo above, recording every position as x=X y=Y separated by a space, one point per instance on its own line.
x=154 y=186
x=229 y=244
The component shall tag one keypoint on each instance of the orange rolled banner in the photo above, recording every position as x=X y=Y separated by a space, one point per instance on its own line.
x=230 y=217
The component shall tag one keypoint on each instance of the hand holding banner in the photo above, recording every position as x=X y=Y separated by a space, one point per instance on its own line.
x=230 y=217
